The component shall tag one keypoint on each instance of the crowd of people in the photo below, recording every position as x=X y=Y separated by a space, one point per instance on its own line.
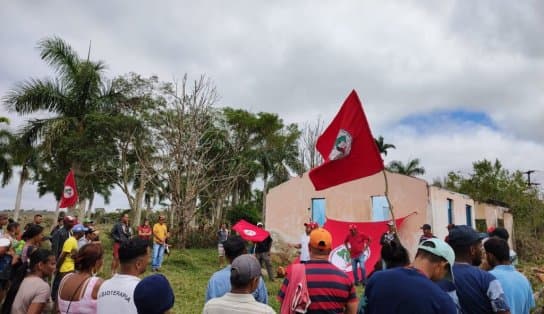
x=64 y=279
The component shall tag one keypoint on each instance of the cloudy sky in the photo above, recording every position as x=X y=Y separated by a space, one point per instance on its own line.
x=449 y=82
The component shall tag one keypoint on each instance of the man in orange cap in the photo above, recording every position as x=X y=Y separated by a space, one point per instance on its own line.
x=357 y=244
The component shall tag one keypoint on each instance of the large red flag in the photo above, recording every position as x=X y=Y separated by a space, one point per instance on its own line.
x=69 y=194
x=347 y=146
x=249 y=231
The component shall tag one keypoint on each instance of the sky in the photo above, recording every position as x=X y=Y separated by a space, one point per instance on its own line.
x=449 y=82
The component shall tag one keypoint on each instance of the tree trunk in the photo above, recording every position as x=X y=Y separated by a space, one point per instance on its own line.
x=79 y=211
x=19 y=196
x=90 y=207
x=57 y=208
x=265 y=188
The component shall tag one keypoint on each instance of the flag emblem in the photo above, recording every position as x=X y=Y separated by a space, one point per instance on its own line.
x=68 y=192
x=250 y=233
x=342 y=145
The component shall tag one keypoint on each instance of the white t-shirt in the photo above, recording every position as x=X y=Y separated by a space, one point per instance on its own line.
x=304 y=249
x=116 y=295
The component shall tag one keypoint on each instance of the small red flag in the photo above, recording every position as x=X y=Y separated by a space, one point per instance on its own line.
x=249 y=231
x=348 y=148
x=69 y=194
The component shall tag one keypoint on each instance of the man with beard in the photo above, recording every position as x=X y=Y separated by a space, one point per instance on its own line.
x=478 y=291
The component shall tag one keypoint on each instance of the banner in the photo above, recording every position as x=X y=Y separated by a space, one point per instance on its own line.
x=348 y=148
x=249 y=231
x=339 y=230
x=69 y=194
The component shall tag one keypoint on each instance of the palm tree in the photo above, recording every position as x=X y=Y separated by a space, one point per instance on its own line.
x=411 y=168
x=5 y=159
x=382 y=146
x=81 y=104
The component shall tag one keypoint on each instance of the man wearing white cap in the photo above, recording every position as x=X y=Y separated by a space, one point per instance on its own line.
x=413 y=289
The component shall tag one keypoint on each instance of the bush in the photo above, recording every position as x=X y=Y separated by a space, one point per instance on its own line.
x=248 y=212
x=202 y=237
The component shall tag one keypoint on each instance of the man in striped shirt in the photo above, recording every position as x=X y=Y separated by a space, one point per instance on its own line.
x=329 y=288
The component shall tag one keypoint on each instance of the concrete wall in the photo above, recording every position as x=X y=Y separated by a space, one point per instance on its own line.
x=492 y=213
x=287 y=204
x=439 y=204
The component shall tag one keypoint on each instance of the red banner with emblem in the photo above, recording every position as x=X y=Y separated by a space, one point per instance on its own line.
x=249 y=231
x=69 y=193
x=339 y=230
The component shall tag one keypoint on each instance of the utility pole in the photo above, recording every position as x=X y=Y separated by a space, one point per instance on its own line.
x=529 y=183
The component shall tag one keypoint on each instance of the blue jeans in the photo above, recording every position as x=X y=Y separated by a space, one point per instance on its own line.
x=358 y=260
x=158 y=254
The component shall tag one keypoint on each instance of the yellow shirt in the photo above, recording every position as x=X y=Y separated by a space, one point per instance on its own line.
x=159 y=232
x=69 y=245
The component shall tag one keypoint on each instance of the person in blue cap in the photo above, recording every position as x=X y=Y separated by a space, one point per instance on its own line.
x=154 y=295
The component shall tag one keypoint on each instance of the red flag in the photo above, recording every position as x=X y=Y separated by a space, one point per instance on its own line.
x=348 y=148
x=249 y=231
x=69 y=194
x=339 y=230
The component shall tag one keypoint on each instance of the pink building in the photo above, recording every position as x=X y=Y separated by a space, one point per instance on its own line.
x=294 y=202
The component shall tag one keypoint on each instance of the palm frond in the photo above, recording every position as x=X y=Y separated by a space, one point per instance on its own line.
x=34 y=94
x=60 y=56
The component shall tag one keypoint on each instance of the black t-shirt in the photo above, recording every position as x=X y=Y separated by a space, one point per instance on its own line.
x=264 y=246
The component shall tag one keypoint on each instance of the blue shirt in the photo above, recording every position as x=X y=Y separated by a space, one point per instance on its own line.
x=479 y=292
x=517 y=288
x=405 y=290
x=219 y=285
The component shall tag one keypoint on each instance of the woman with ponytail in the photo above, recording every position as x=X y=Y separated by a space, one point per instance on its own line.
x=78 y=291
x=29 y=292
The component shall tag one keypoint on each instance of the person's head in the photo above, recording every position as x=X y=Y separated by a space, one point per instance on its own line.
x=260 y=225
x=154 y=295
x=467 y=244
x=145 y=222
x=89 y=258
x=320 y=243
x=161 y=219
x=3 y=220
x=79 y=231
x=437 y=257
x=497 y=251
x=500 y=232
x=88 y=222
x=92 y=234
x=353 y=229
x=14 y=228
x=426 y=228
x=245 y=273
x=394 y=254
x=134 y=255
x=223 y=226
x=38 y=219
x=5 y=243
x=60 y=218
x=234 y=246
x=125 y=218
x=33 y=234
x=69 y=222
x=450 y=226
x=309 y=226
x=43 y=262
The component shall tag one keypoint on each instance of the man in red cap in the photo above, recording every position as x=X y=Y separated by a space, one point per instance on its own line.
x=304 y=242
x=357 y=244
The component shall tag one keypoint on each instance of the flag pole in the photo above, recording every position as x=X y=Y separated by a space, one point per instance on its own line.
x=387 y=198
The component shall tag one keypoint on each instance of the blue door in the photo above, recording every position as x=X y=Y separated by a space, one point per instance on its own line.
x=318 y=211
x=450 y=211
x=469 y=215
x=380 y=208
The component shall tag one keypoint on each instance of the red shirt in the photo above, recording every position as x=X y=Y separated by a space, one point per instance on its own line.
x=144 y=229
x=357 y=243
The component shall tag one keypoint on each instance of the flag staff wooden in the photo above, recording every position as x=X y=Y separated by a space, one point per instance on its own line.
x=388 y=201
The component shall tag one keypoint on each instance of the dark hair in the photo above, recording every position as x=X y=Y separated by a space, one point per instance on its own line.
x=32 y=231
x=428 y=255
x=88 y=255
x=394 y=254
x=498 y=247
x=19 y=272
x=132 y=249
x=143 y=221
x=234 y=246
x=500 y=232
x=38 y=215
x=12 y=226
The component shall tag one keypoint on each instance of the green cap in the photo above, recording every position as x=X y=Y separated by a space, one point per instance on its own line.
x=442 y=249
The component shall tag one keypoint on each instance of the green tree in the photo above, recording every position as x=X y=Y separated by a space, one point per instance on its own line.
x=5 y=162
x=411 y=168
x=382 y=146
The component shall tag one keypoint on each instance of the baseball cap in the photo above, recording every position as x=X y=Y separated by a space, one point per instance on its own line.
x=5 y=242
x=440 y=248
x=244 y=268
x=260 y=224
x=320 y=239
x=153 y=295
x=88 y=221
x=70 y=219
x=463 y=235
x=312 y=225
x=426 y=227
x=79 y=228
x=352 y=227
